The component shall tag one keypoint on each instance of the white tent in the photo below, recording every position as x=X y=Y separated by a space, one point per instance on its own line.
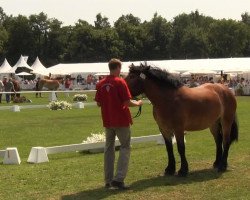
x=192 y=65
x=23 y=74
x=38 y=67
x=86 y=68
x=20 y=63
x=5 y=67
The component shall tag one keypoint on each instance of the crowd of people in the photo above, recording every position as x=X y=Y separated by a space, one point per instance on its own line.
x=237 y=84
x=89 y=82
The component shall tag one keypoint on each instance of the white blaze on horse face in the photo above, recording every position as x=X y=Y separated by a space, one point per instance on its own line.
x=143 y=76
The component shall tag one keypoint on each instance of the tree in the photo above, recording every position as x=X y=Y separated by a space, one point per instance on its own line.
x=81 y=46
x=2 y=16
x=54 y=47
x=3 y=41
x=227 y=38
x=194 y=42
x=245 y=18
x=158 y=37
x=39 y=25
x=130 y=36
x=101 y=22
x=190 y=35
x=20 y=38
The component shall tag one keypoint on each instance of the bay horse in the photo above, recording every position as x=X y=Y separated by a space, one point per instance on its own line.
x=177 y=108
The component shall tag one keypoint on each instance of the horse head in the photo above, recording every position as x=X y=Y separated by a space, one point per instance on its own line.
x=135 y=78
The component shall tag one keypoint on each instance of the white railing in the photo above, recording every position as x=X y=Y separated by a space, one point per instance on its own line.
x=40 y=154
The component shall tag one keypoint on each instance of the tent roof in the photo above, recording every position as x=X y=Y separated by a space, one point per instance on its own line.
x=83 y=68
x=38 y=67
x=192 y=65
x=20 y=63
x=5 y=67
x=24 y=74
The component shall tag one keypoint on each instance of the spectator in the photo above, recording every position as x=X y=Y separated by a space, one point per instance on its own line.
x=1 y=90
x=9 y=87
x=67 y=85
x=37 y=88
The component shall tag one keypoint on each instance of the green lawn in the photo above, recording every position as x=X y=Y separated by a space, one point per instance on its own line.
x=80 y=175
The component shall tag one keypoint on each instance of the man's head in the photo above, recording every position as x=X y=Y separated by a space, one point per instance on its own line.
x=114 y=64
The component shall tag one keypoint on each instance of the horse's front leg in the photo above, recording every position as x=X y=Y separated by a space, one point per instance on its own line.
x=181 y=149
x=170 y=169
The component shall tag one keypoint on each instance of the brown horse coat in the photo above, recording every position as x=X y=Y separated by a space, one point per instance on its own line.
x=48 y=83
x=177 y=108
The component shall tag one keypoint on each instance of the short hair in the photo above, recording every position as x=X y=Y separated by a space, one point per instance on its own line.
x=114 y=64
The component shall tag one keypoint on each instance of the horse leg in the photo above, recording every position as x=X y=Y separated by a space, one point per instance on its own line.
x=170 y=169
x=226 y=144
x=216 y=131
x=181 y=149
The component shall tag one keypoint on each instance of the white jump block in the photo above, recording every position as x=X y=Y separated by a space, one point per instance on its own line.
x=80 y=105
x=38 y=155
x=11 y=156
x=15 y=108
x=52 y=96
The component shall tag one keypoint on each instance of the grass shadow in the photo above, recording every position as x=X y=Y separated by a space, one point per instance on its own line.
x=159 y=181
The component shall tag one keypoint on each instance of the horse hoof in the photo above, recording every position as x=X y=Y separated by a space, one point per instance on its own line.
x=182 y=173
x=169 y=171
x=216 y=165
x=222 y=169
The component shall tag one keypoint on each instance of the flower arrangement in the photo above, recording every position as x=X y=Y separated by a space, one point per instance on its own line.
x=80 y=97
x=95 y=138
x=59 y=105
x=99 y=137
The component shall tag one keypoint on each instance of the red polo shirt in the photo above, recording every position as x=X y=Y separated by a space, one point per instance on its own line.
x=111 y=93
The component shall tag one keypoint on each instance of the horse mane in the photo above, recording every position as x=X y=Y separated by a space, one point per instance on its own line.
x=162 y=78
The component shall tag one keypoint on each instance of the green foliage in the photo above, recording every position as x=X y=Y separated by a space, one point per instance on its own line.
x=190 y=35
x=76 y=175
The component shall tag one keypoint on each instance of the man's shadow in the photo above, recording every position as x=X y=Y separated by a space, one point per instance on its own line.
x=159 y=181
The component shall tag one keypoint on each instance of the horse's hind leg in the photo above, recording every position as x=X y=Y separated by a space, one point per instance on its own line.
x=226 y=127
x=217 y=134
x=181 y=149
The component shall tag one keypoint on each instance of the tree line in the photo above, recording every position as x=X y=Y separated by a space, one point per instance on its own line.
x=186 y=36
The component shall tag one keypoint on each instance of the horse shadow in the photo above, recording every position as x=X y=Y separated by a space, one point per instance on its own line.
x=159 y=181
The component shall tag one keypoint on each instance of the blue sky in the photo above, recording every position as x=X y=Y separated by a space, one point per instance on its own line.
x=70 y=11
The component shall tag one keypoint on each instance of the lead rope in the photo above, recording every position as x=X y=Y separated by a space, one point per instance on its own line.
x=139 y=110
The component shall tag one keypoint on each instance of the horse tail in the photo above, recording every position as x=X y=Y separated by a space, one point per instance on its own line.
x=234 y=134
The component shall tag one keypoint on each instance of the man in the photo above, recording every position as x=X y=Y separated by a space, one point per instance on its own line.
x=37 y=88
x=9 y=87
x=1 y=90
x=114 y=98
x=67 y=85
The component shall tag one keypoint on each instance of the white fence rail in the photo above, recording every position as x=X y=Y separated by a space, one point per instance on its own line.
x=40 y=154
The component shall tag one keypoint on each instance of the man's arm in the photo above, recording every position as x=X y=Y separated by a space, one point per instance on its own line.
x=133 y=103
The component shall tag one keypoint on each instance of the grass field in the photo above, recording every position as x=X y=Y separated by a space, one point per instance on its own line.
x=80 y=175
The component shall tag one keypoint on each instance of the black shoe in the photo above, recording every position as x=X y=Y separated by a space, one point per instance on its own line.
x=119 y=185
x=107 y=185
